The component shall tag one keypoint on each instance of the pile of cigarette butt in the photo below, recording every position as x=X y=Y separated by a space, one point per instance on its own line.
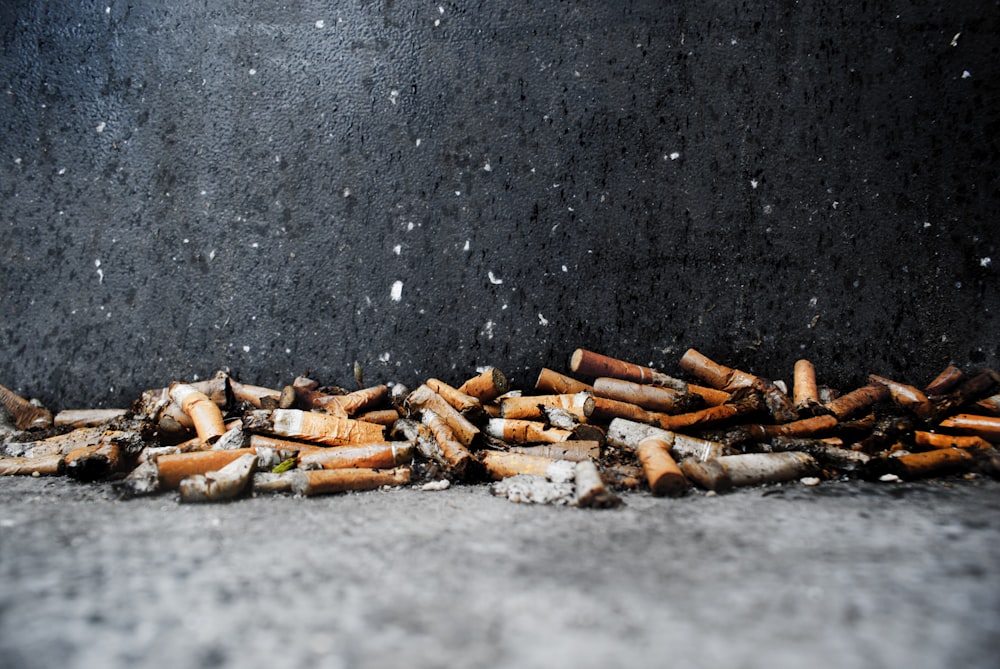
x=580 y=440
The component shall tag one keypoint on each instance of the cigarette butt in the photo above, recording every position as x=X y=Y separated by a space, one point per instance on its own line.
x=174 y=468
x=454 y=451
x=629 y=477
x=653 y=398
x=581 y=405
x=987 y=427
x=500 y=465
x=486 y=386
x=576 y=451
x=945 y=381
x=590 y=488
x=588 y=363
x=929 y=463
x=662 y=472
x=205 y=414
x=710 y=396
x=703 y=417
x=369 y=456
x=313 y=427
x=525 y=431
x=98 y=461
x=254 y=395
x=749 y=469
x=87 y=417
x=26 y=415
x=265 y=441
x=327 y=481
x=61 y=444
x=425 y=398
x=46 y=465
x=990 y=405
x=553 y=382
x=805 y=393
x=384 y=417
x=801 y=428
x=713 y=374
x=938 y=440
x=857 y=400
x=970 y=390
x=421 y=435
x=627 y=434
x=214 y=486
x=359 y=400
x=905 y=397
x=462 y=402
x=827 y=451
x=608 y=409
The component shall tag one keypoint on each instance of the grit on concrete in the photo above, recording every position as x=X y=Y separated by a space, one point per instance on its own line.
x=847 y=574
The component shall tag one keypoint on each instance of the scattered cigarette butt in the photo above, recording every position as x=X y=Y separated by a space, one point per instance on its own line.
x=486 y=386
x=462 y=402
x=588 y=363
x=749 y=469
x=580 y=405
x=87 y=417
x=454 y=452
x=26 y=415
x=425 y=398
x=328 y=481
x=525 y=431
x=500 y=465
x=553 y=382
x=205 y=414
x=314 y=427
x=662 y=472
x=174 y=468
x=223 y=484
x=48 y=465
x=987 y=427
x=805 y=393
x=577 y=451
x=590 y=488
x=371 y=456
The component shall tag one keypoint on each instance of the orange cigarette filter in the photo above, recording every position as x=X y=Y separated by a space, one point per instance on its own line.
x=987 y=427
x=805 y=393
x=264 y=441
x=314 y=427
x=453 y=450
x=25 y=414
x=500 y=464
x=463 y=402
x=650 y=397
x=606 y=409
x=381 y=416
x=664 y=476
x=708 y=416
x=580 y=405
x=945 y=381
x=173 y=468
x=371 y=456
x=938 y=440
x=45 y=465
x=806 y=427
x=525 y=431
x=588 y=363
x=425 y=398
x=205 y=414
x=359 y=400
x=486 y=386
x=906 y=397
x=328 y=481
x=576 y=451
x=928 y=463
x=554 y=383
x=857 y=400
x=990 y=405
x=252 y=394
x=715 y=375
x=711 y=396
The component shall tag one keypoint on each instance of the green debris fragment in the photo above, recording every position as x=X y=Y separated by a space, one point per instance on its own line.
x=283 y=466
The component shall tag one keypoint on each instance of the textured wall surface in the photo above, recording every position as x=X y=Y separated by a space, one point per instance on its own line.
x=426 y=187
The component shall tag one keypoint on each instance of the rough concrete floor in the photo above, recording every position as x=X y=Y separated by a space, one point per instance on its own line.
x=843 y=575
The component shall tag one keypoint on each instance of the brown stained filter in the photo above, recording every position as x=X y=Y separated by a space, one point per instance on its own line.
x=500 y=465
x=588 y=363
x=580 y=405
x=607 y=409
x=384 y=417
x=576 y=451
x=704 y=417
x=858 y=400
x=359 y=400
x=205 y=414
x=715 y=375
x=653 y=398
x=225 y=483
x=371 y=456
x=806 y=427
x=87 y=417
x=930 y=463
x=462 y=402
x=253 y=394
x=945 y=381
x=750 y=469
x=314 y=427
x=329 y=481
x=93 y=463
x=664 y=476
x=174 y=468
x=46 y=465
x=425 y=398
x=805 y=393
x=905 y=397
x=990 y=405
x=486 y=386
x=937 y=440
x=275 y=443
x=525 y=431
x=25 y=414
x=554 y=383
x=710 y=396
x=987 y=427
x=454 y=452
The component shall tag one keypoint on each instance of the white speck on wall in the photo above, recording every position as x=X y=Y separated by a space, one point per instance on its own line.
x=397 y=249
x=754 y=183
x=97 y=263
x=835 y=204
x=458 y=193
x=288 y=351
x=251 y=71
x=488 y=329
x=393 y=96
x=418 y=141
x=966 y=74
x=211 y=255
x=100 y=127
x=768 y=209
x=437 y=22
x=385 y=357
x=62 y=171
x=564 y=268
x=958 y=284
x=17 y=161
x=107 y=10
x=321 y=24
x=813 y=301
x=396 y=292
x=246 y=349
x=487 y=168
x=985 y=262
x=255 y=245
x=495 y=280
x=409 y=226
x=954 y=40
x=347 y=192
x=541 y=319
x=675 y=155
x=732 y=41
x=927 y=224
x=187 y=241
x=441 y=10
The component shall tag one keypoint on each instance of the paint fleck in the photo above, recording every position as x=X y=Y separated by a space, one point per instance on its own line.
x=246 y=349
x=495 y=280
x=541 y=319
x=966 y=74
x=409 y=226
x=252 y=71
x=418 y=141
x=347 y=192
x=396 y=292
x=487 y=168
x=211 y=255
x=466 y=247
x=564 y=268
x=321 y=24
x=754 y=183
x=62 y=171
x=255 y=245
x=393 y=96
x=100 y=127
x=488 y=329
x=985 y=262
x=384 y=357
x=954 y=40
x=768 y=209
x=397 y=249
x=675 y=155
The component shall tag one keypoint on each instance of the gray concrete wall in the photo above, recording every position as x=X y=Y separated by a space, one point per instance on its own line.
x=186 y=186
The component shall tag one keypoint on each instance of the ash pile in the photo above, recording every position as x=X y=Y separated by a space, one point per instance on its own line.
x=579 y=439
